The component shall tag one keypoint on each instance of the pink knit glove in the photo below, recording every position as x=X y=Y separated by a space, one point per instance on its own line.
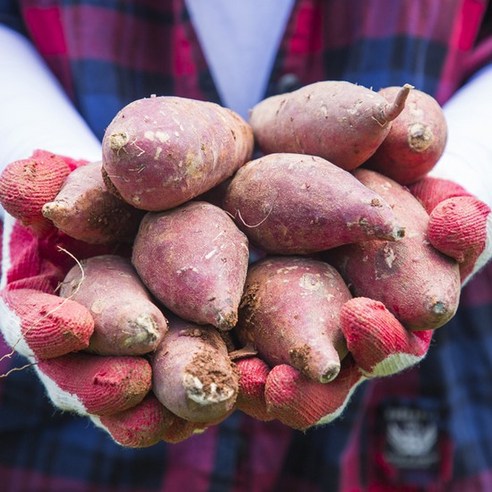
x=378 y=346
x=52 y=332
x=460 y=225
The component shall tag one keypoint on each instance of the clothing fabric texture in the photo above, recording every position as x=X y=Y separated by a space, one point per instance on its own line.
x=429 y=428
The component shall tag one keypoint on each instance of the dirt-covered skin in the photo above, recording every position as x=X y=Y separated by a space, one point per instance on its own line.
x=85 y=209
x=160 y=152
x=415 y=141
x=194 y=260
x=297 y=204
x=290 y=314
x=193 y=376
x=417 y=283
x=126 y=321
x=337 y=120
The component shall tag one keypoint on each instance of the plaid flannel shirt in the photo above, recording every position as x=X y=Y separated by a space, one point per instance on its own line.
x=429 y=428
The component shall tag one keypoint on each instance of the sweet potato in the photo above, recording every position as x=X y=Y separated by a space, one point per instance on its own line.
x=193 y=376
x=415 y=141
x=337 y=120
x=290 y=314
x=418 y=284
x=126 y=320
x=297 y=204
x=193 y=259
x=85 y=209
x=160 y=152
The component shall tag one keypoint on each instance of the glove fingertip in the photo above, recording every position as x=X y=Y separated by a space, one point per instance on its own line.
x=138 y=427
x=253 y=373
x=458 y=228
x=146 y=424
x=378 y=342
x=431 y=191
x=300 y=403
x=92 y=384
x=27 y=184
x=43 y=325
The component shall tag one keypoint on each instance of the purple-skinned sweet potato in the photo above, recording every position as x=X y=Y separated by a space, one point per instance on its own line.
x=193 y=376
x=160 y=152
x=337 y=120
x=193 y=259
x=415 y=141
x=126 y=320
x=298 y=204
x=290 y=313
x=84 y=209
x=417 y=283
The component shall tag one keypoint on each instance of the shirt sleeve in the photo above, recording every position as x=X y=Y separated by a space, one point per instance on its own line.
x=36 y=112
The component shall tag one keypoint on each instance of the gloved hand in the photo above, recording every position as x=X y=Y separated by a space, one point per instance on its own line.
x=460 y=224
x=113 y=391
x=378 y=344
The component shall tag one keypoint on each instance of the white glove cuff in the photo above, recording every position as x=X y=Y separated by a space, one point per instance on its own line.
x=11 y=331
x=61 y=399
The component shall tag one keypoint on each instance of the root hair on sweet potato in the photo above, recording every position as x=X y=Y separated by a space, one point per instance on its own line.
x=251 y=226
x=13 y=369
x=81 y=268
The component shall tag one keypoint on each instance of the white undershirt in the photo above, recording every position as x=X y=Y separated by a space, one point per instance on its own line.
x=240 y=39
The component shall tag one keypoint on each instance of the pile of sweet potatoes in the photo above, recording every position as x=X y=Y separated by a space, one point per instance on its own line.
x=225 y=249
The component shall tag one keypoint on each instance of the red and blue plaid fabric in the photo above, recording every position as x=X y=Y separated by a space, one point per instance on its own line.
x=429 y=428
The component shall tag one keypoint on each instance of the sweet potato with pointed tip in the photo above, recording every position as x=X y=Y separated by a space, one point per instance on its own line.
x=193 y=376
x=298 y=204
x=415 y=141
x=416 y=283
x=337 y=120
x=126 y=320
x=84 y=209
x=194 y=259
x=290 y=314
x=160 y=152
